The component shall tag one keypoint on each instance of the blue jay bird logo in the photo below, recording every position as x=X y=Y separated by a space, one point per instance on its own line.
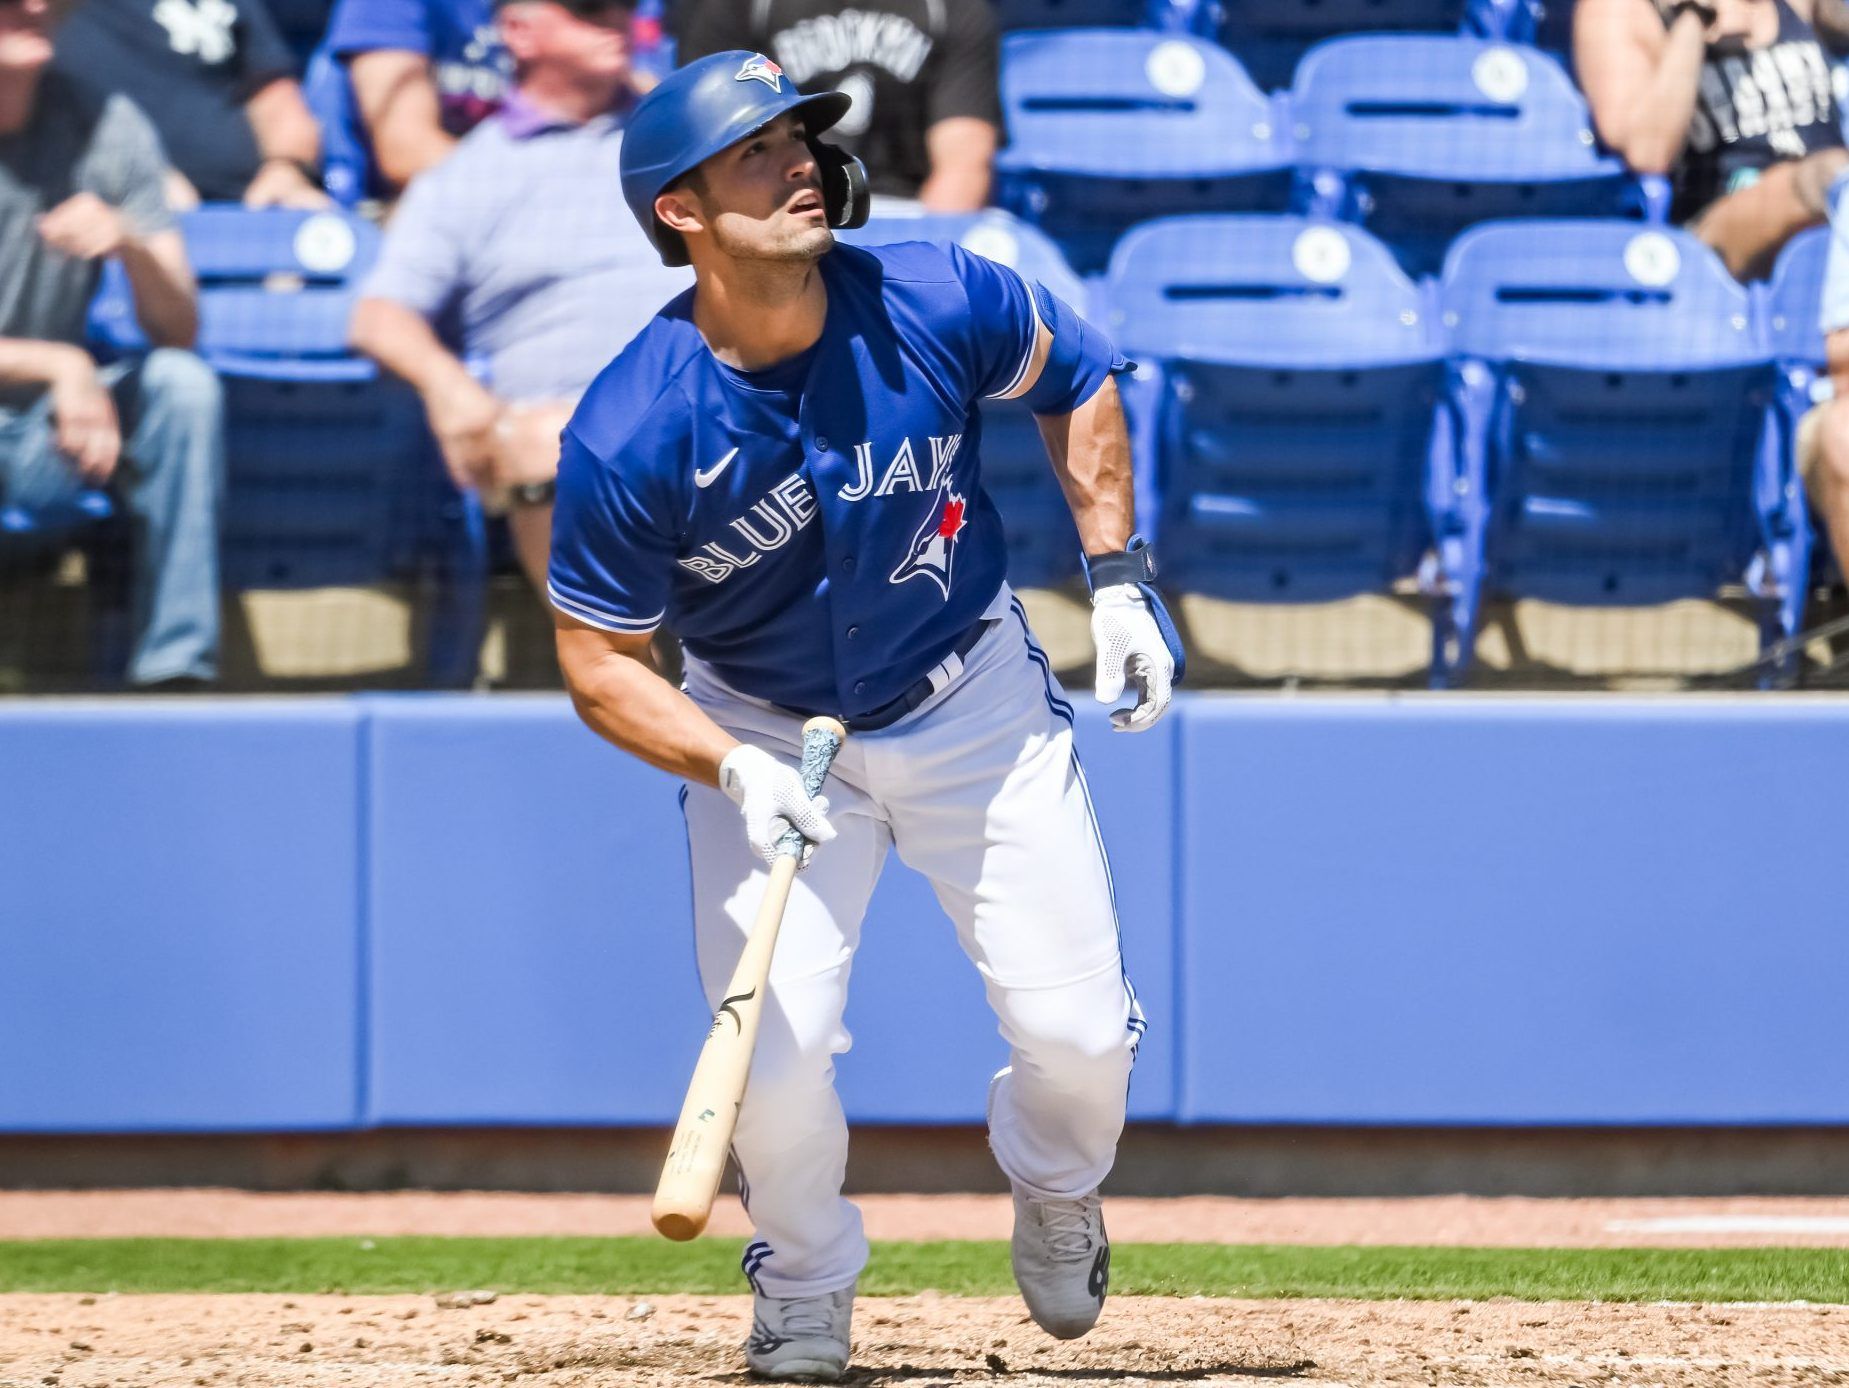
x=934 y=546
x=758 y=68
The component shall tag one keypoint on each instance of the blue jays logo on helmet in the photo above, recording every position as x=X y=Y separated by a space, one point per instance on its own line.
x=935 y=544
x=758 y=68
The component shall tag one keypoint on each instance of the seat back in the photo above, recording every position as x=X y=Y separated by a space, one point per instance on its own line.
x=1108 y=127
x=1290 y=433
x=1042 y=545
x=1089 y=14
x=1794 y=298
x=1627 y=410
x=1429 y=134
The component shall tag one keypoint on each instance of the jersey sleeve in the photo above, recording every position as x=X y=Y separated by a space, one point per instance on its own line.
x=358 y=26
x=1003 y=323
x=612 y=555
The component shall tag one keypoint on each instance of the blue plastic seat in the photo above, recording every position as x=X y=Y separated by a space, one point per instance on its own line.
x=1043 y=546
x=1292 y=430
x=1620 y=390
x=32 y=523
x=1109 y=127
x=1084 y=14
x=1794 y=300
x=333 y=477
x=1271 y=36
x=1421 y=136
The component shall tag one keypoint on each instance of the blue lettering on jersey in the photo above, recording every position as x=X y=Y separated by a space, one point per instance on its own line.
x=819 y=535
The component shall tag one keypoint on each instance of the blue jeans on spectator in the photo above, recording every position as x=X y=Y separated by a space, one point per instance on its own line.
x=170 y=478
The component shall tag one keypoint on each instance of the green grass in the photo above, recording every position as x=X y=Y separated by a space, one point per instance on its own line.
x=651 y=1266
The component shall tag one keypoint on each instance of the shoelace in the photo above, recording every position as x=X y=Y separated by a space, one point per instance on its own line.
x=1068 y=1228
x=807 y=1315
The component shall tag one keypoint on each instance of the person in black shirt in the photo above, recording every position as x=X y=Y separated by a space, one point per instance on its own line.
x=218 y=82
x=926 y=116
x=1730 y=97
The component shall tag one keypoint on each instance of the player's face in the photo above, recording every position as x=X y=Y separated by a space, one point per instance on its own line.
x=763 y=197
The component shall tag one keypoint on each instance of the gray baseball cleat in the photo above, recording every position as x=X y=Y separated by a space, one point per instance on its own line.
x=1062 y=1261
x=800 y=1337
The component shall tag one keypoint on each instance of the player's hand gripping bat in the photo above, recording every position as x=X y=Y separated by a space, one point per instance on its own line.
x=696 y=1161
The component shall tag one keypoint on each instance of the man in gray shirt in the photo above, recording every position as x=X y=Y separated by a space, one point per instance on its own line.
x=81 y=180
x=522 y=240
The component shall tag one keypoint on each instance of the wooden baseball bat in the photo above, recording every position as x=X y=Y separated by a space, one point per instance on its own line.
x=696 y=1160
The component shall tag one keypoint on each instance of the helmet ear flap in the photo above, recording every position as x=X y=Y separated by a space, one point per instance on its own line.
x=844 y=186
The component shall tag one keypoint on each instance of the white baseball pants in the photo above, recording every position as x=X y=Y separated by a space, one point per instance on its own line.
x=980 y=791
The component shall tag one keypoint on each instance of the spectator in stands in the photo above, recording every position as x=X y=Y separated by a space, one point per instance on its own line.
x=522 y=238
x=1823 y=434
x=424 y=73
x=219 y=84
x=923 y=75
x=1730 y=97
x=81 y=179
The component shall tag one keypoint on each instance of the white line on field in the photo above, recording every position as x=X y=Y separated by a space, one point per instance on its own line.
x=1732 y=1224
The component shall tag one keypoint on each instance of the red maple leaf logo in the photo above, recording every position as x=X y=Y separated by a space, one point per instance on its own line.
x=953 y=518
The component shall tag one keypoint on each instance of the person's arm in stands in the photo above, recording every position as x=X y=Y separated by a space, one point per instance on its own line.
x=962 y=151
x=1640 y=79
x=85 y=227
x=82 y=410
x=963 y=110
x=1830 y=18
x=397 y=97
x=290 y=144
x=463 y=414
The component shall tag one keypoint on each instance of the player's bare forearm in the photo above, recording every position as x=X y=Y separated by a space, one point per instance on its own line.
x=623 y=699
x=1090 y=451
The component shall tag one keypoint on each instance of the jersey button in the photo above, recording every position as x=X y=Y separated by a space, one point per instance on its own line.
x=821 y=443
x=860 y=686
x=847 y=562
x=852 y=632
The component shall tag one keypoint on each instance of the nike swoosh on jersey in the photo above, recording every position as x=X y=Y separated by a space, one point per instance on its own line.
x=706 y=478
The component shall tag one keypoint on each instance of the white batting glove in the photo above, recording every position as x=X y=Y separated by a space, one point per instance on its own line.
x=773 y=800
x=1130 y=647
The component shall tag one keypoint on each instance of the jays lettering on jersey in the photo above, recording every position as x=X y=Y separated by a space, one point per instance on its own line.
x=818 y=532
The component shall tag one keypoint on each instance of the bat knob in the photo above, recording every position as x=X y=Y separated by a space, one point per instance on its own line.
x=672 y=1224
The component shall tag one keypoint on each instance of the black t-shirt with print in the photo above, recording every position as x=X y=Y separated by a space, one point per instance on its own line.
x=907 y=63
x=191 y=65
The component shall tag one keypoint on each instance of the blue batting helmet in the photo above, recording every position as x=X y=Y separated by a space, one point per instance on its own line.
x=717 y=101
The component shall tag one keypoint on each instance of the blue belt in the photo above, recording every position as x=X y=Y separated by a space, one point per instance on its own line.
x=939 y=677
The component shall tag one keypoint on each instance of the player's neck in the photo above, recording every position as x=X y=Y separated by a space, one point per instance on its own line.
x=756 y=314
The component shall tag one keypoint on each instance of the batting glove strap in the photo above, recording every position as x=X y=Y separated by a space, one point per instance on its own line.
x=1136 y=564
x=771 y=796
x=1137 y=643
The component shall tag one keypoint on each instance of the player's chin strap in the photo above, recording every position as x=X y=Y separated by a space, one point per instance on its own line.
x=844 y=186
x=1137 y=566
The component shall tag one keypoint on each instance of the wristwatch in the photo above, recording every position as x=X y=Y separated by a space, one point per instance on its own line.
x=533 y=493
x=1706 y=13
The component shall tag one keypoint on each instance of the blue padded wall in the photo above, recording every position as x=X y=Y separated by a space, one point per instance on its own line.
x=925 y=1042
x=532 y=958
x=179 y=885
x=1601 y=910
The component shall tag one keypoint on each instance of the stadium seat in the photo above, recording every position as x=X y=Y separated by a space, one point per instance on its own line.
x=1420 y=136
x=1794 y=298
x=1043 y=547
x=1620 y=389
x=1109 y=127
x=1085 y=14
x=1271 y=36
x=346 y=161
x=29 y=523
x=333 y=478
x=1292 y=435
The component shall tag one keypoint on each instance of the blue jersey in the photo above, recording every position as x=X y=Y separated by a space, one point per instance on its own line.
x=817 y=533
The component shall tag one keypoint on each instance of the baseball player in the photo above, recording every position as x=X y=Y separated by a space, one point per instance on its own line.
x=784 y=468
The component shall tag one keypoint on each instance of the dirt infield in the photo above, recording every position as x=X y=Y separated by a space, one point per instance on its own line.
x=321 y=1341
x=1447 y=1220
